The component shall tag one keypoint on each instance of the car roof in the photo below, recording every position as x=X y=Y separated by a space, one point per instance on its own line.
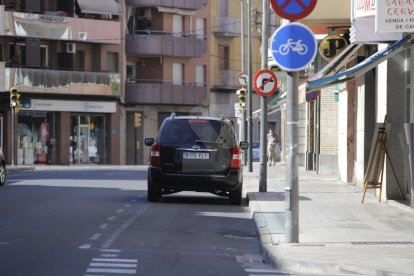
x=197 y=118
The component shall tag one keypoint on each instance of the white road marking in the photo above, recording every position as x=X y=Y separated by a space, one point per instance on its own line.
x=112 y=266
x=111 y=218
x=111 y=270
x=85 y=246
x=103 y=226
x=127 y=205
x=105 y=255
x=120 y=211
x=110 y=250
x=115 y=260
x=96 y=236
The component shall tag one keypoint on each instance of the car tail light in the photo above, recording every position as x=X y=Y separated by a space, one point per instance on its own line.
x=155 y=155
x=235 y=162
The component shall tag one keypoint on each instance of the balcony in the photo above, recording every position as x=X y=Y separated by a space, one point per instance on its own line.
x=179 y=4
x=46 y=26
x=62 y=82
x=227 y=26
x=165 y=93
x=227 y=79
x=165 y=44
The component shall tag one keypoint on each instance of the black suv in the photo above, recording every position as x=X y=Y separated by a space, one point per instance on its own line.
x=193 y=153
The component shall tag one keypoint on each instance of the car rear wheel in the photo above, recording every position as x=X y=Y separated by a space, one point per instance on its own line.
x=236 y=196
x=153 y=192
x=2 y=174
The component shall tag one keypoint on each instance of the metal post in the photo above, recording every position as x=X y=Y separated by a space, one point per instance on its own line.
x=263 y=102
x=13 y=135
x=250 y=89
x=243 y=68
x=292 y=185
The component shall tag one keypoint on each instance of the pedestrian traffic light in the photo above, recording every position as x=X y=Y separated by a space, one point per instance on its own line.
x=241 y=93
x=14 y=98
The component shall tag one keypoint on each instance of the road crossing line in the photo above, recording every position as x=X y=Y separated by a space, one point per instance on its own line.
x=112 y=266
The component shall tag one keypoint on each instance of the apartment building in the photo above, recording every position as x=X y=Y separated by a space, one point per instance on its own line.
x=65 y=58
x=167 y=67
x=226 y=55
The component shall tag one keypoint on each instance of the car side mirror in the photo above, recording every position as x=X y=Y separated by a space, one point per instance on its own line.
x=149 y=141
x=244 y=145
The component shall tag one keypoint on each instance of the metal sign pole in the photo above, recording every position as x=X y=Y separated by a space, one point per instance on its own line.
x=250 y=90
x=292 y=185
x=263 y=102
x=13 y=135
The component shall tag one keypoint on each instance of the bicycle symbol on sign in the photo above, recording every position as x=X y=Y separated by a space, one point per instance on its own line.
x=297 y=47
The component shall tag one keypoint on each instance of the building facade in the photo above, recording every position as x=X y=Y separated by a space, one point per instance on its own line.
x=167 y=67
x=65 y=58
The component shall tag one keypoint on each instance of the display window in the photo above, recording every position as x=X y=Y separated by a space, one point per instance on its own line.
x=36 y=141
x=87 y=139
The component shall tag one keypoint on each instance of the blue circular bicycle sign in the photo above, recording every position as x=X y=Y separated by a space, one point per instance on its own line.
x=293 y=47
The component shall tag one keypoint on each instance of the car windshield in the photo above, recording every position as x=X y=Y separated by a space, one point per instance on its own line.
x=192 y=130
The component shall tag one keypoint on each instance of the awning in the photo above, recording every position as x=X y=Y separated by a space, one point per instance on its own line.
x=361 y=68
x=333 y=66
x=100 y=6
x=177 y=11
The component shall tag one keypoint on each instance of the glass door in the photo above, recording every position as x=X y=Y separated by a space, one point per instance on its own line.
x=87 y=139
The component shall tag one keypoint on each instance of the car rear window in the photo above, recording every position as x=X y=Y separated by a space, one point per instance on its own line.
x=188 y=131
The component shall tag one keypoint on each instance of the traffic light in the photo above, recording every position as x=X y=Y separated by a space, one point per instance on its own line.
x=14 y=99
x=241 y=93
x=138 y=119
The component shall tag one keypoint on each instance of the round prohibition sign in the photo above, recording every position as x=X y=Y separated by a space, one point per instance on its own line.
x=293 y=9
x=265 y=82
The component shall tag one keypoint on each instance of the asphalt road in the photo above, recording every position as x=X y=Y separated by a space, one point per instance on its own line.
x=97 y=221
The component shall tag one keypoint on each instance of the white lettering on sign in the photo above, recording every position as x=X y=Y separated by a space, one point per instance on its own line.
x=395 y=16
x=364 y=8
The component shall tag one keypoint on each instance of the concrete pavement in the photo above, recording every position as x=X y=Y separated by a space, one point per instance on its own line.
x=337 y=234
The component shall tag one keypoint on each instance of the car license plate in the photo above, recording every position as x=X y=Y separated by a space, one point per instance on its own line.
x=196 y=155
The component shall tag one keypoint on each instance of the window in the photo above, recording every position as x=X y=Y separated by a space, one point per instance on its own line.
x=224 y=8
x=130 y=71
x=223 y=63
x=113 y=62
x=201 y=28
x=200 y=75
x=178 y=73
x=178 y=25
x=79 y=61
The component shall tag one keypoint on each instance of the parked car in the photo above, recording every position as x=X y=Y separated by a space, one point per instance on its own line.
x=256 y=150
x=2 y=168
x=196 y=154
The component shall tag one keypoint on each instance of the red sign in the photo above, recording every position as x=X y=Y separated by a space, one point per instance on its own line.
x=311 y=96
x=265 y=82
x=293 y=9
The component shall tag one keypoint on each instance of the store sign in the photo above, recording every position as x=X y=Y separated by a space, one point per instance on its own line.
x=363 y=8
x=68 y=106
x=331 y=46
x=394 y=16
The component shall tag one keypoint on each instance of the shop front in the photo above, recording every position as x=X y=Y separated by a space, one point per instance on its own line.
x=63 y=132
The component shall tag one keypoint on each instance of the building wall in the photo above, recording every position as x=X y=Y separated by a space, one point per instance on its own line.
x=329 y=130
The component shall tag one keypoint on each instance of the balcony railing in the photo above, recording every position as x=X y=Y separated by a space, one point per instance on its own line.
x=46 y=26
x=63 y=82
x=180 y=4
x=165 y=93
x=165 y=44
x=228 y=26
x=227 y=79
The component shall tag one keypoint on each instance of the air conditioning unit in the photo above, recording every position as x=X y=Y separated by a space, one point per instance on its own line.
x=70 y=48
x=145 y=13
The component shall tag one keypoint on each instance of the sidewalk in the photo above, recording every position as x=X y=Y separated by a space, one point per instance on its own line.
x=337 y=234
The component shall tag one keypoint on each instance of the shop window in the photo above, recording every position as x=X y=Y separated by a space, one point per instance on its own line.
x=36 y=138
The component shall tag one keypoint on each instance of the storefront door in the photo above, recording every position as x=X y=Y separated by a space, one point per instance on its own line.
x=88 y=139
